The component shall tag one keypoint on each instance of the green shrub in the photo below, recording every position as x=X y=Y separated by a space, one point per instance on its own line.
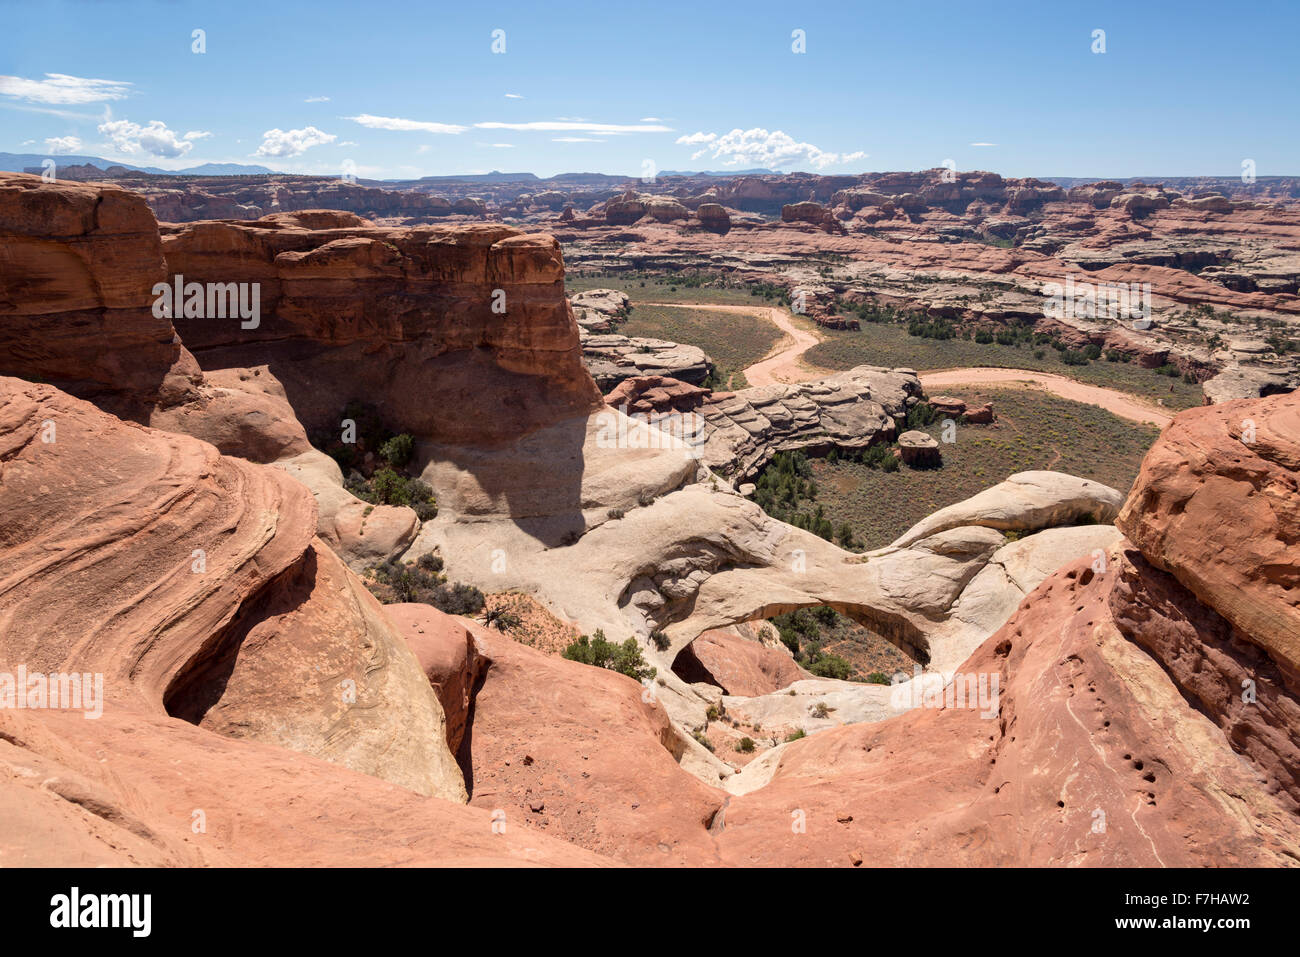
x=501 y=619
x=828 y=665
x=745 y=745
x=920 y=415
x=397 y=451
x=796 y=735
x=874 y=456
x=420 y=582
x=597 y=651
x=878 y=678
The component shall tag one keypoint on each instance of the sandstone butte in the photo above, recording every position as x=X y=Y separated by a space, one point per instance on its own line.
x=165 y=524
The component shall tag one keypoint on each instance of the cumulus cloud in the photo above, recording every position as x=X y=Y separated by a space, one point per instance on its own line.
x=63 y=144
x=61 y=88
x=759 y=147
x=153 y=138
x=285 y=143
x=405 y=125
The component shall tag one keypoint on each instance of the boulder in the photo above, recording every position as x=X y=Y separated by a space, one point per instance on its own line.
x=448 y=656
x=919 y=449
x=1026 y=501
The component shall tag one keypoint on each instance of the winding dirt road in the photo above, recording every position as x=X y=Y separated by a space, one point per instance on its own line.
x=784 y=365
x=1123 y=404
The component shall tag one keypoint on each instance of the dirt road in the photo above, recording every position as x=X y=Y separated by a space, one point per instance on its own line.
x=1123 y=404
x=782 y=364
x=785 y=365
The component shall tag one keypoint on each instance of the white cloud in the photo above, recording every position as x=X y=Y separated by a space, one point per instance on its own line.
x=27 y=143
x=651 y=119
x=575 y=139
x=398 y=123
x=502 y=146
x=317 y=99
x=62 y=144
x=570 y=126
x=514 y=96
x=61 y=88
x=984 y=144
x=285 y=143
x=153 y=138
x=349 y=143
x=423 y=148
x=758 y=147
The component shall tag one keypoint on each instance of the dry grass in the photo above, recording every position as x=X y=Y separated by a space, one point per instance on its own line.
x=1034 y=431
x=888 y=344
x=732 y=341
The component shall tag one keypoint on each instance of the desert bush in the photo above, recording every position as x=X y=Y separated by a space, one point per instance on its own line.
x=397 y=451
x=601 y=653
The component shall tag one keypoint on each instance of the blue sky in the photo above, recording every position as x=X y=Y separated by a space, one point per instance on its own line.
x=403 y=89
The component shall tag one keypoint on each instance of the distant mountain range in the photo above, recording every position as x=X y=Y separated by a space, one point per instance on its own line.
x=17 y=162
